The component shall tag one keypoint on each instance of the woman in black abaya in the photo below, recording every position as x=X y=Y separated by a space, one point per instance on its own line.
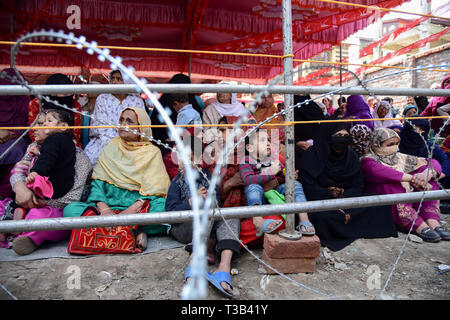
x=331 y=169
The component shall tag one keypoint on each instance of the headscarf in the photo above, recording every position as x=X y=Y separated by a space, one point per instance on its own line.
x=235 y=108
x=409 y=107
x=262 y=114
x=390 y=157
x=360 y=139
x=306 y=112
x=134 y=166
x=13 y=109
x=384 y=123
x=58 y=78
x=412 y=142
x=321 y=157
x=357 y=108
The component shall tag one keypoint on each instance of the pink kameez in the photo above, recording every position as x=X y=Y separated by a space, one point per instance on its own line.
x=382 y=179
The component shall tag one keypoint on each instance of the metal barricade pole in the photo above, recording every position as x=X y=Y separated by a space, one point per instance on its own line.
x=289 y=232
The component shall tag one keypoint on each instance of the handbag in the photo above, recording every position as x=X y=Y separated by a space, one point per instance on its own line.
x=92 y=241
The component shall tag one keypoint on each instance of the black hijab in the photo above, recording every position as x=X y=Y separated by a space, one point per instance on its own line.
x=58 y=78
x=321 y=157
x=306 y=112
x=411 y=142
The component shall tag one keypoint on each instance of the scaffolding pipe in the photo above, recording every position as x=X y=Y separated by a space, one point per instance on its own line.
x=228 y=213
x=212 y=88
x=288 y=66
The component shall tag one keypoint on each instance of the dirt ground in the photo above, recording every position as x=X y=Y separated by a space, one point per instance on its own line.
x=350 y=274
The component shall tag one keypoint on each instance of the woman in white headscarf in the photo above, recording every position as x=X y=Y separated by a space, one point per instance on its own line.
x=108 y=108
x=226 y=105
x=381 y=111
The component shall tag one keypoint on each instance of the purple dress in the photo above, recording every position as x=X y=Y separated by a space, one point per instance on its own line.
x=382 y=179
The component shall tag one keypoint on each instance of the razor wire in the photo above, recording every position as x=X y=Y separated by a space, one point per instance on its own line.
x=257 y=100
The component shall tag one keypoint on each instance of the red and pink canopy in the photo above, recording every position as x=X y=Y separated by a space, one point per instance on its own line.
x=250 y=26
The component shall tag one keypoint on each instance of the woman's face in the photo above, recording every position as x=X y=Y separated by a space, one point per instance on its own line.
x=390 y=142
x=116 y=78
x=411 y=112
x=128 y=118
x=382 y=111
x=224 y=98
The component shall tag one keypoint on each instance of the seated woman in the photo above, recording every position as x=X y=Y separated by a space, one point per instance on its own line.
x=388 y=171
x=331 y=169
x=27 y=242
x=412 y=142
x=383 y=110
x=129 y=172
x=357 y=108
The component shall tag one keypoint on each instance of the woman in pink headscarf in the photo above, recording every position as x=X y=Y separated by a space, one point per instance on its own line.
x=437 y=107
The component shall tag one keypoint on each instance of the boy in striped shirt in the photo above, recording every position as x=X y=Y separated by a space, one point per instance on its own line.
x=261 y=172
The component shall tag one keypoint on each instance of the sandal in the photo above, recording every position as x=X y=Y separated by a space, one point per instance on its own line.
x=216 y=278
x=428 y=235
x=307 y=225
x=443 y=233
x=265 y=229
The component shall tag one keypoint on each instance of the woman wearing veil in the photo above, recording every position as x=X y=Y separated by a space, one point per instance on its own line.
x=330 y=169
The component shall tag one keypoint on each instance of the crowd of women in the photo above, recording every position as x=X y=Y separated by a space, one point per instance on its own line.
x=55 y=171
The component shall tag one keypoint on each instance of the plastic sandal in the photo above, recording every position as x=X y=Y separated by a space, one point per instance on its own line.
x=443 y=233
x=428 y=235
x=266 y=224
x=307 y=225
x=216 y=278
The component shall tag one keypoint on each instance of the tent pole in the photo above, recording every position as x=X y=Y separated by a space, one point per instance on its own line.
x=290 y=232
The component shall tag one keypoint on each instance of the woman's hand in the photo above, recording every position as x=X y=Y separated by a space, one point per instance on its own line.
x=336 y=192
x=24 y=196
x=304 y=145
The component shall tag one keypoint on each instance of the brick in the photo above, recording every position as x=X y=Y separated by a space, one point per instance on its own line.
x=277 y=247
x=295 y=265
